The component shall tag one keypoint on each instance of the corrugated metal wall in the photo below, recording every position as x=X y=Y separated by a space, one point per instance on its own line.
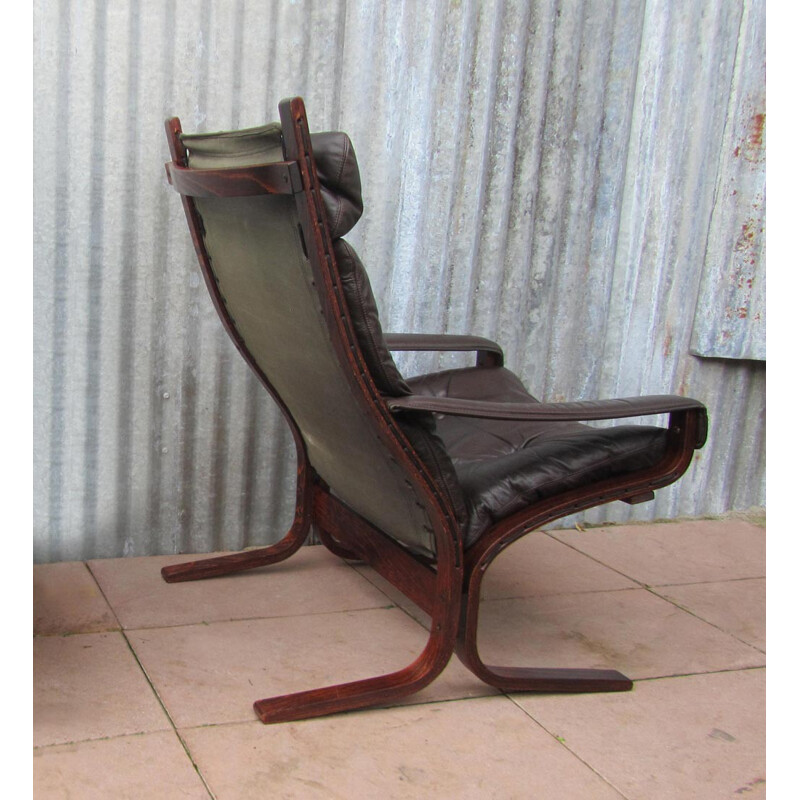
x=543 y=173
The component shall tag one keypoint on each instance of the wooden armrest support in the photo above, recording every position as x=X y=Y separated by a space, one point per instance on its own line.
x=490 y=354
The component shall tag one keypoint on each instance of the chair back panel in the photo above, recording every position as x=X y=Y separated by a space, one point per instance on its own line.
x=258 y=260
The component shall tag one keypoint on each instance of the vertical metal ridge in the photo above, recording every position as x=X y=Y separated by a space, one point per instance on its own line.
x=217 y=488
x=336 y=94
x=126 y=316
x=502 y=180
x=238 y=64
x=159 y=388
x=191 y=494
x=558 y=160
x=61 y=196
x=466 y=51
x=487 y=125
x=93 y=388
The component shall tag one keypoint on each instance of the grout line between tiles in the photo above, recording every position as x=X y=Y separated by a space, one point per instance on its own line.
x=61 y=635
x=652 y=589
x=596 y=560
x=496 y=694
x=103 y=595
x=700 y=674
x=262 y=617
x=702 y=619
x=636 y=580
x=154 y=690
x=702 y=583
x=169 y=717
x=566 y=747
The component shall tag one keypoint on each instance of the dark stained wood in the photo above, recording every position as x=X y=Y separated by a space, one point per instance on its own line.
x=448 y=590
x=684 y=430
x=261 y=557
x=552 y=681
x=644 y=497
x=370 y=545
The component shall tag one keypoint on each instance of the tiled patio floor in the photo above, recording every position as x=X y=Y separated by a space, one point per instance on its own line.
x=145 y=690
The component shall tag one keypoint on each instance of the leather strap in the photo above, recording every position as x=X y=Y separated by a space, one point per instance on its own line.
x=282 y=177
x=553 y=412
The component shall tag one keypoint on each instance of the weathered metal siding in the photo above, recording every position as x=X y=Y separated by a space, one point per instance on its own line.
x=543 y=173
x=730 y=320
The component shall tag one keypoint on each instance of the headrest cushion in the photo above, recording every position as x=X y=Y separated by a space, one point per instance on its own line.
x=340 y=181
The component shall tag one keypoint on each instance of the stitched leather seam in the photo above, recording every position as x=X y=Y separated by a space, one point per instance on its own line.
x=338 y=181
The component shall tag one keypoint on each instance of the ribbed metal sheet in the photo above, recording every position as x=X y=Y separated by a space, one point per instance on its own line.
x=541 y=173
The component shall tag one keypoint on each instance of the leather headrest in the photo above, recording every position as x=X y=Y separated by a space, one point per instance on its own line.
x=340 y=181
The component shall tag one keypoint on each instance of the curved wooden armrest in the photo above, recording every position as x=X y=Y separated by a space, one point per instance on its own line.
x=490 y=354
x=556 y=412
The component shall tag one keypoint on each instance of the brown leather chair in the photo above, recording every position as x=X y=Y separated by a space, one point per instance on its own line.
x=426 y=479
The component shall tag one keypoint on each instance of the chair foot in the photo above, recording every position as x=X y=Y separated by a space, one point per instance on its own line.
x=525 y=679
x=371 y=692
x=381 y=690
x=532 y=679
x=554 y=681
x=237 y=562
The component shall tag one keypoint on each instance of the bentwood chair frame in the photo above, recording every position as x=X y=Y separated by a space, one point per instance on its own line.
x=447 y=588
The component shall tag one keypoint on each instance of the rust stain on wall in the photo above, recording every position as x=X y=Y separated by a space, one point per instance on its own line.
x=752 y=148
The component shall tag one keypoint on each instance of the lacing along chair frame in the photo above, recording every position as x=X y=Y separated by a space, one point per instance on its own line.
x=449 y=588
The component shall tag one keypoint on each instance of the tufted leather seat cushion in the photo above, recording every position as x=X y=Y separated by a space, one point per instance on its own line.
x=502 y=466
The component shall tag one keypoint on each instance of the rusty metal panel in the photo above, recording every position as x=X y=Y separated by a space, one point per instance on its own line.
x=730 y=321
x=550 y=174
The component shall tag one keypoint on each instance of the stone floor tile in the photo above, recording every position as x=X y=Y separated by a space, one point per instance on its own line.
x=632 y=630
x=89 y=686
x=213 y=673
x=475 y=749
x=676 y=552
x=737 y=607
x=697 y=737
x=311 y=581
x=66 y=599
x=150 y=765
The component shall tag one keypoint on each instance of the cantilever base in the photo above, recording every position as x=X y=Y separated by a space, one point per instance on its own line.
x=556 y=681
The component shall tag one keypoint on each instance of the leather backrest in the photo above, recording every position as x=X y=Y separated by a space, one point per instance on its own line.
x=257 y=257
